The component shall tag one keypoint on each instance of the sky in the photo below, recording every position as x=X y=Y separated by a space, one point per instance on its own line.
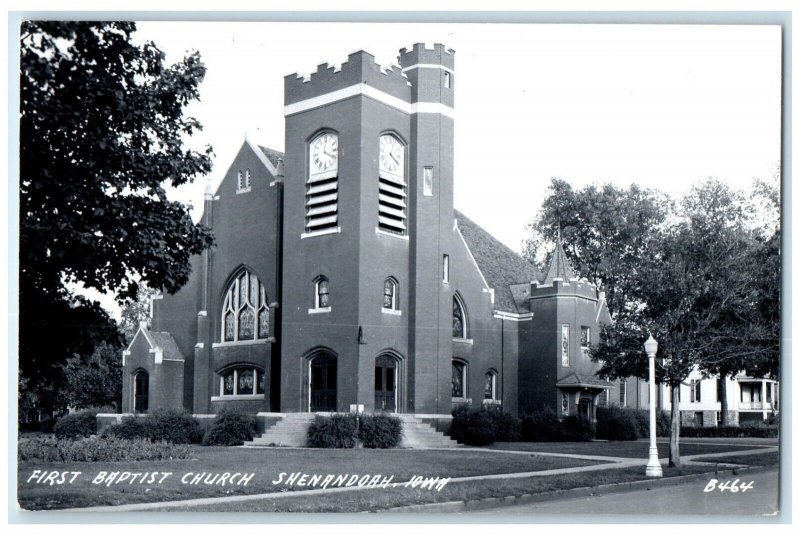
x=662 y=106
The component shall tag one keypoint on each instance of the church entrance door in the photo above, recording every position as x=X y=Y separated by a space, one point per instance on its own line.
x=323 y=383
x=385 y=384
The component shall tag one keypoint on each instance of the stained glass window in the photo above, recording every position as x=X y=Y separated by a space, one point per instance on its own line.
x=585 y=336
x=459 y=323
x=459 y=376
x=489 y=389
x=323 y=297
x=245 y=301
x=242 y=381
x=390 y=294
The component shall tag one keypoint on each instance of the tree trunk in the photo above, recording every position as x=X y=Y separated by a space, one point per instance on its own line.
x=723 y=399
x=675 y=428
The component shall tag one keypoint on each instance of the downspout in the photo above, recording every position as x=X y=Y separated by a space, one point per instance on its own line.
x=502 y=363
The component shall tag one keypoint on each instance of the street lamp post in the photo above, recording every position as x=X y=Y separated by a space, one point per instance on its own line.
x=653 y=466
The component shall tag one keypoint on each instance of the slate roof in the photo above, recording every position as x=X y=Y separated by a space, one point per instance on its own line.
x=272 y=155
x=168 y=346
x=559 y=265
x=576 y=380
x=501 y=266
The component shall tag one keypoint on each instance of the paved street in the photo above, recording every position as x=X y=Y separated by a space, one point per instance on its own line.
x=688 y=498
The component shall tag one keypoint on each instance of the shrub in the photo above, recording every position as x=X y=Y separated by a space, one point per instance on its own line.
x=230 y=428
x=577 y=429
x=380 y=431
x=642 y=417
x=81 y=424
x=614 y=423
x=177 y=427
x=94 y=449
x=541 y=426
x=753 y=430
x=474 y=427
x=506 y=426
x=337 y=431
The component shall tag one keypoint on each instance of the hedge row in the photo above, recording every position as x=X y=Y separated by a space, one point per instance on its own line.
x=94 y=449
x=343 y=431
x=744 y=430
x=616 y=423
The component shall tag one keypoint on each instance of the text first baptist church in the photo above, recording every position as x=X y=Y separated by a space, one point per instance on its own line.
x=342 y=275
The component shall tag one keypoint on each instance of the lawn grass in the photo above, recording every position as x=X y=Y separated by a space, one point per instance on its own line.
x=381 y=499
x=631 y=449
x=266 y=464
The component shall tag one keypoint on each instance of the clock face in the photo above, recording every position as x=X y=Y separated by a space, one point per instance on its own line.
x=324 y=153
x=391 y=155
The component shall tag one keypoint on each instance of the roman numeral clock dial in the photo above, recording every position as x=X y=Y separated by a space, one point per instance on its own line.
x=391 y=158
x=324 y=153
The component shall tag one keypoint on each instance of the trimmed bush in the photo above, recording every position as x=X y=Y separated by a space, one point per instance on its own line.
x=614 y=423
x=474 y=427
x=81 y=424
x=506 y=426
x=541 y=426
x=337 y=431
x=755 y=430
x=94 y=449
x=380 y=431
x=642 y=417
x=230 y=428
x=577 y=429
x=177 y=427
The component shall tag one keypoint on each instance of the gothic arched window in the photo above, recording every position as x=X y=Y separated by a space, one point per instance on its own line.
x=245 y=311
x=390 y=301
x=322 y=293
x=459 y=319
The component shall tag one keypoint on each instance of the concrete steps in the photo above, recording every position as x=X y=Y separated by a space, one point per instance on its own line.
x=292 y=428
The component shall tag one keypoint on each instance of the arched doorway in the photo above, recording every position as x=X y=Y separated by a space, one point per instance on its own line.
x=322 y=383
x=386 y=374
x=141 y=390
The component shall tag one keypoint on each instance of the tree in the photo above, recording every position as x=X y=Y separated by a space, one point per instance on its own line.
x=135 y=312
x=101 y=132
x=605 y=231
x=94 y=381
x=698 y=294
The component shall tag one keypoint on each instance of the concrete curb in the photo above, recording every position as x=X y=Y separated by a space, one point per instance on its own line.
x=465 y=506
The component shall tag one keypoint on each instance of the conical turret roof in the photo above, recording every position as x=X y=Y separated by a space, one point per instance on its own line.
x=560 y=268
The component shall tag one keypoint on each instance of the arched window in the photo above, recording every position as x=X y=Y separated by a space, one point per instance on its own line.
x=459 y=380
x=245 y=311
x=460 y=326
x=322 y=292
x=245 y=380
x=391 y=185
x=141 y=391
x=322 y=184
x=390 y=298
x=243 y=181
x=490 y=386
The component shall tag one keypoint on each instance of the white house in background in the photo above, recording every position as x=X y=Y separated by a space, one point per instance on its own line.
x=750 y=399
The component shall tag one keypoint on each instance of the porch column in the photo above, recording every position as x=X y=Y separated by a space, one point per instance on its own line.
x=764 y=399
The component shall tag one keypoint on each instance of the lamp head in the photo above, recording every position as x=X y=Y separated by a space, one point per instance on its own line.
x=651 y=346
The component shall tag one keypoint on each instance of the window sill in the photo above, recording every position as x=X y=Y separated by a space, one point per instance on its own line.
x=244 y=397
x=323 y=310
x=492 y=402
x=240 y=191
x=463 y=340
x=392 y=312
x=461 y=400
x=242 y=343
x=325 y=232
x=403 y=237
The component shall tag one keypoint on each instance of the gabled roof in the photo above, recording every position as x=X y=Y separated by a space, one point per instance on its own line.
x=583 y=381
x=500 y=266
x=559 y=265
x=168 y=346
x=272 y=155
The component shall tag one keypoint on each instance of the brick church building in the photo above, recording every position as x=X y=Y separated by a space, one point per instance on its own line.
x=342 y=275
